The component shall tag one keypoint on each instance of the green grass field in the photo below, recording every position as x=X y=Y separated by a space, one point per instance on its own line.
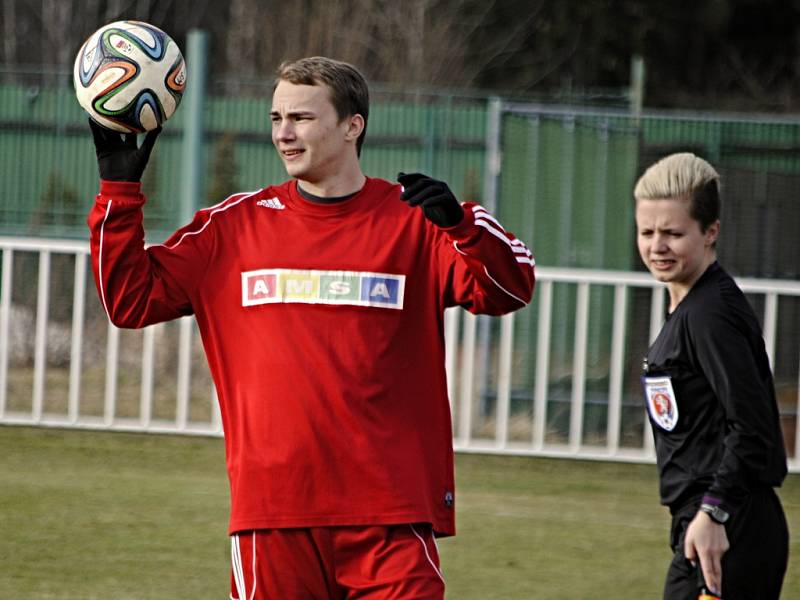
x=108 y=515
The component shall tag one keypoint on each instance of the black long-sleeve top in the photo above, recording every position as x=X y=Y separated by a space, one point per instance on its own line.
x=711 y=399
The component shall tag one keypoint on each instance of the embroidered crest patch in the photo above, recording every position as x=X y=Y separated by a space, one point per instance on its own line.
x=661 y=403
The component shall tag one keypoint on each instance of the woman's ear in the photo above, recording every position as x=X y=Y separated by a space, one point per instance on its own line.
x=712 y=233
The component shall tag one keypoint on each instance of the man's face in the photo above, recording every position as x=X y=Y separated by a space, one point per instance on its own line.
x=671 y=243
x=311 y=141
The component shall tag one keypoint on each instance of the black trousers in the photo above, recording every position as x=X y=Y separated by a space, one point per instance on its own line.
x=753 y=567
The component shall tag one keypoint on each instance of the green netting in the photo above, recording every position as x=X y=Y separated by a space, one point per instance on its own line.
x=564 y=183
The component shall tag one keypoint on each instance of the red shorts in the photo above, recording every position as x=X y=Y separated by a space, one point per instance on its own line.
x=396 y=562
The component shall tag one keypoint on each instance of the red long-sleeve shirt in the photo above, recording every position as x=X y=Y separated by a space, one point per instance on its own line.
x=323 y=329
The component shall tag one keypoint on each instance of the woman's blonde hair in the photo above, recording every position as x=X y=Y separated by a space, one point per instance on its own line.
x=683 y=176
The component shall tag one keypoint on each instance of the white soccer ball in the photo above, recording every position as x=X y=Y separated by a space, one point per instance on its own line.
x=129 y=76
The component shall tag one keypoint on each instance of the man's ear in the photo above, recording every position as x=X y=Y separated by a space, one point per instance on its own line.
x=355 y=125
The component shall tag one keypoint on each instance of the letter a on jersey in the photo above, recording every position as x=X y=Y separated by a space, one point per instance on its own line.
x=260 y=288
x=380 y=290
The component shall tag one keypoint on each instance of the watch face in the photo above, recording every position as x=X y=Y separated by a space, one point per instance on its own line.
x=715 y=512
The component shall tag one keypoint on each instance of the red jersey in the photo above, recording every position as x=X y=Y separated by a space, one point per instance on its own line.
x=323 y=329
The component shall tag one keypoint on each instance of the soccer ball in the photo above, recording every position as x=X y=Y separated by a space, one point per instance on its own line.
x=129 y=76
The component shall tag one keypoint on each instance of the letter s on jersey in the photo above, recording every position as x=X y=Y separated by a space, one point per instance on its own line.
x=339 y=288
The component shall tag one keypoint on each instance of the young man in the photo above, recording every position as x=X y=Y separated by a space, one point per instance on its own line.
x=320 y=303
x=711 y=399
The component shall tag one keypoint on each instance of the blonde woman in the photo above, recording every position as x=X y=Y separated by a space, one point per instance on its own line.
x=710 y=396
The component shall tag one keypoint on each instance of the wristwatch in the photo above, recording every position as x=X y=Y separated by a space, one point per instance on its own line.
x=715 y=512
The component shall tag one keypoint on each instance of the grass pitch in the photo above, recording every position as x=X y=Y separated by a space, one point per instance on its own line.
x=108 y=515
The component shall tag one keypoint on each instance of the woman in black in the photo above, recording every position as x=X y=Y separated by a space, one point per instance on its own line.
x=710 y=397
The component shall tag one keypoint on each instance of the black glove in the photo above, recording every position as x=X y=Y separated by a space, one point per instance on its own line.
x=438 y=203
x=118 y=156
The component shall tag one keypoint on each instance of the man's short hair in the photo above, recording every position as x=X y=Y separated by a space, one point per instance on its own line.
x=683 y=176
x=349 y=90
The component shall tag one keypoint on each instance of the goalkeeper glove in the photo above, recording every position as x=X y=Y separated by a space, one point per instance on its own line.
x=438 y=203
x=118 y=156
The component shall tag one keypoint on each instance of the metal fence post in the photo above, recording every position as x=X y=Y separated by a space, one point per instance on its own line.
x=192 y=152
x=637 y=87
x=493 y=166
x=493 y=153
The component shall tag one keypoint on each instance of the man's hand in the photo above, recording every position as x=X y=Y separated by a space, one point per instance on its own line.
x=707 y=541
x=438 y=203
x=118 y=156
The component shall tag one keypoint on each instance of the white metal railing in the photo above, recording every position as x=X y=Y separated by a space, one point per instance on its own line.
x=622 y=282
x=18 y=412
x=188 y=403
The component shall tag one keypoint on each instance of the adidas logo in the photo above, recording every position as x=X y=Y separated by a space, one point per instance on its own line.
x=271 y=203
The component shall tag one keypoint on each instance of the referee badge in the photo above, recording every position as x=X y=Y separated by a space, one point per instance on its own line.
x=661 y=403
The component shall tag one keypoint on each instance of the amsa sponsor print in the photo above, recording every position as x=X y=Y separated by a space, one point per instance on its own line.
x=354 y=288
